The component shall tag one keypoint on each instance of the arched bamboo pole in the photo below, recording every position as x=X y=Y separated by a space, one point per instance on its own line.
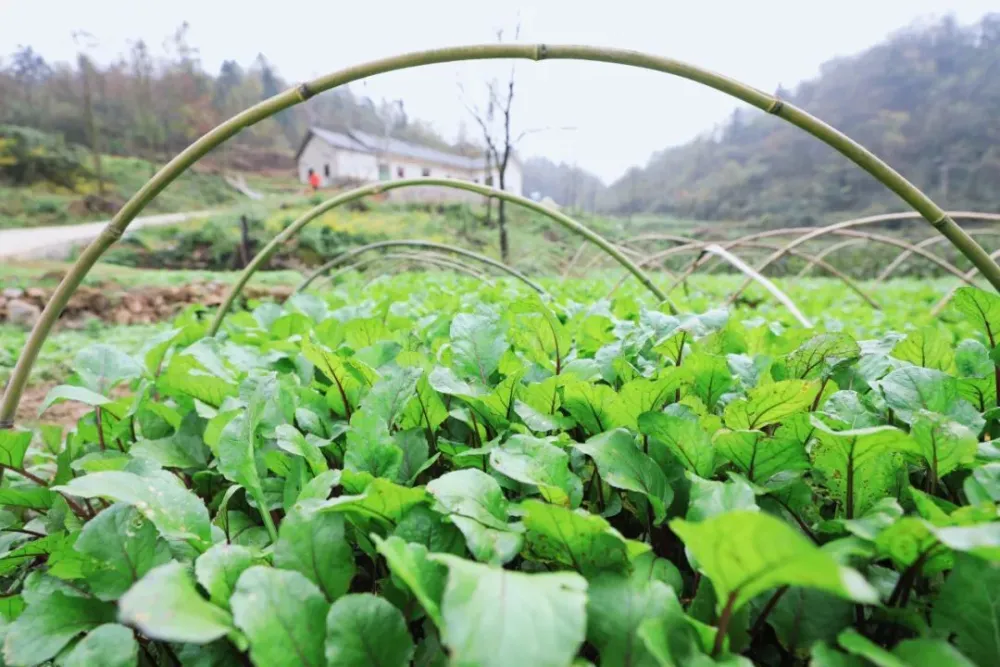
x=406 y=243
x=579 y=253
x=549 y=253
x=572 y=260
x=827 y=252
x=876 y=238
x=933 y=240
x=443 y=261
x=771 y=104
x=778 y=254
x=376 y=188
x=826 y=266
x=408 y=257
x=638 y=239
x=816 y=232
x=879 y=238
x=755 y=276
x=625 y=249
x=754 y=238
x=657 y=236
x=946 y=299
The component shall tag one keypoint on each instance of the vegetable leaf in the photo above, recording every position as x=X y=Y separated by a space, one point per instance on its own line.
x=859 y=467
x=283 y=616
x=315 y=544
x=769 y=404
x=537 y=462
x=746 y=553
x=160 y=496
x=499 y=618
x=623 y=466
x=165 y=605
x=46 y=626
x=577 y=539
x=363 y=630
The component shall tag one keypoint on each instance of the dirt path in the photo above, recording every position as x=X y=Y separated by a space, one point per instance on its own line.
x=57 y=242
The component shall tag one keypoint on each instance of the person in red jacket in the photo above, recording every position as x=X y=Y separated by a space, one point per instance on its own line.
x=314 y=180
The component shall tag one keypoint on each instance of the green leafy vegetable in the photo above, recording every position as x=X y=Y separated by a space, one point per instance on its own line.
x=366 y=630
x=495 y=617
x=746 y=553
x=166 y=605
x=283 y=616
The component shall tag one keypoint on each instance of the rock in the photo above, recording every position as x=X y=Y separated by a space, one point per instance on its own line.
x=35 y=293
x=13 y=292
x=22 y=313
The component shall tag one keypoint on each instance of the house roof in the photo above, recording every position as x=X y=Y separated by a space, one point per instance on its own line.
x=363 y=142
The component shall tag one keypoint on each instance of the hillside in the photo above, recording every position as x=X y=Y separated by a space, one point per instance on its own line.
x=152 y=104
x=568 y=185
x=925 y=100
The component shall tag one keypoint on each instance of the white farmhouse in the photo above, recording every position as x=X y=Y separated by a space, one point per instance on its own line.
x=353 y=158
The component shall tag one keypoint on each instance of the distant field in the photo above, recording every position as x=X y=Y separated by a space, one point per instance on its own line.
x=45 y=204
x=904 y=304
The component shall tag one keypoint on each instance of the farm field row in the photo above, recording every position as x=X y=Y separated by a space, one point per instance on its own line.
x=653 y=485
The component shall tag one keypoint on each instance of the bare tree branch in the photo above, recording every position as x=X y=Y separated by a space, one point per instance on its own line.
x=499 y=144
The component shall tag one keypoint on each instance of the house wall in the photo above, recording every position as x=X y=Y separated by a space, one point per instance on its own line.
x=316 y=155
x=416 y=169
x=354 y=166
x=345 y=165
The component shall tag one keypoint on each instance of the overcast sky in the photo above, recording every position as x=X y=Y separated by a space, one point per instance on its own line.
x=619 y=116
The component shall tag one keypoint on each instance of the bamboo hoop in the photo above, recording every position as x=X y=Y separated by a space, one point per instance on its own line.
x=644 y=237
x=572 y=261
x=877 y=238
x=785 y=300
x=933 y=240
x=817 y=232
x=826 y=266
x=827 y=252
x=946 y=299
x=378 y=245
x=864 y=158
x=377 y=188
x=423 y=258
x=754 y=238
x=770 y=259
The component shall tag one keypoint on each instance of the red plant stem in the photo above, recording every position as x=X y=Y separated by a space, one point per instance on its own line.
x=723 y=627
x=819 y=395
x=900 y=592
x=100 y=429
x=25 y=531
x=79 y=511
x=758 y=625
x=600 y=490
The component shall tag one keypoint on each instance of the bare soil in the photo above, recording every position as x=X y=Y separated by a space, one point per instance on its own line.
x=141 y=305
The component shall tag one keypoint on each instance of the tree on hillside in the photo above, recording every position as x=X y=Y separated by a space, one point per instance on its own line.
x=87 y=41
x=29 y=70
x=494 y=120
x=154 y=101
x=924 y=100
x=271 y=85
x=145 y=133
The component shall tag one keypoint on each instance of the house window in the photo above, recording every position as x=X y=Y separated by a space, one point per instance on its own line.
x=326 y=170
x=425 y=172
x=489 y=180
x=400 y=172
x=383 y=172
